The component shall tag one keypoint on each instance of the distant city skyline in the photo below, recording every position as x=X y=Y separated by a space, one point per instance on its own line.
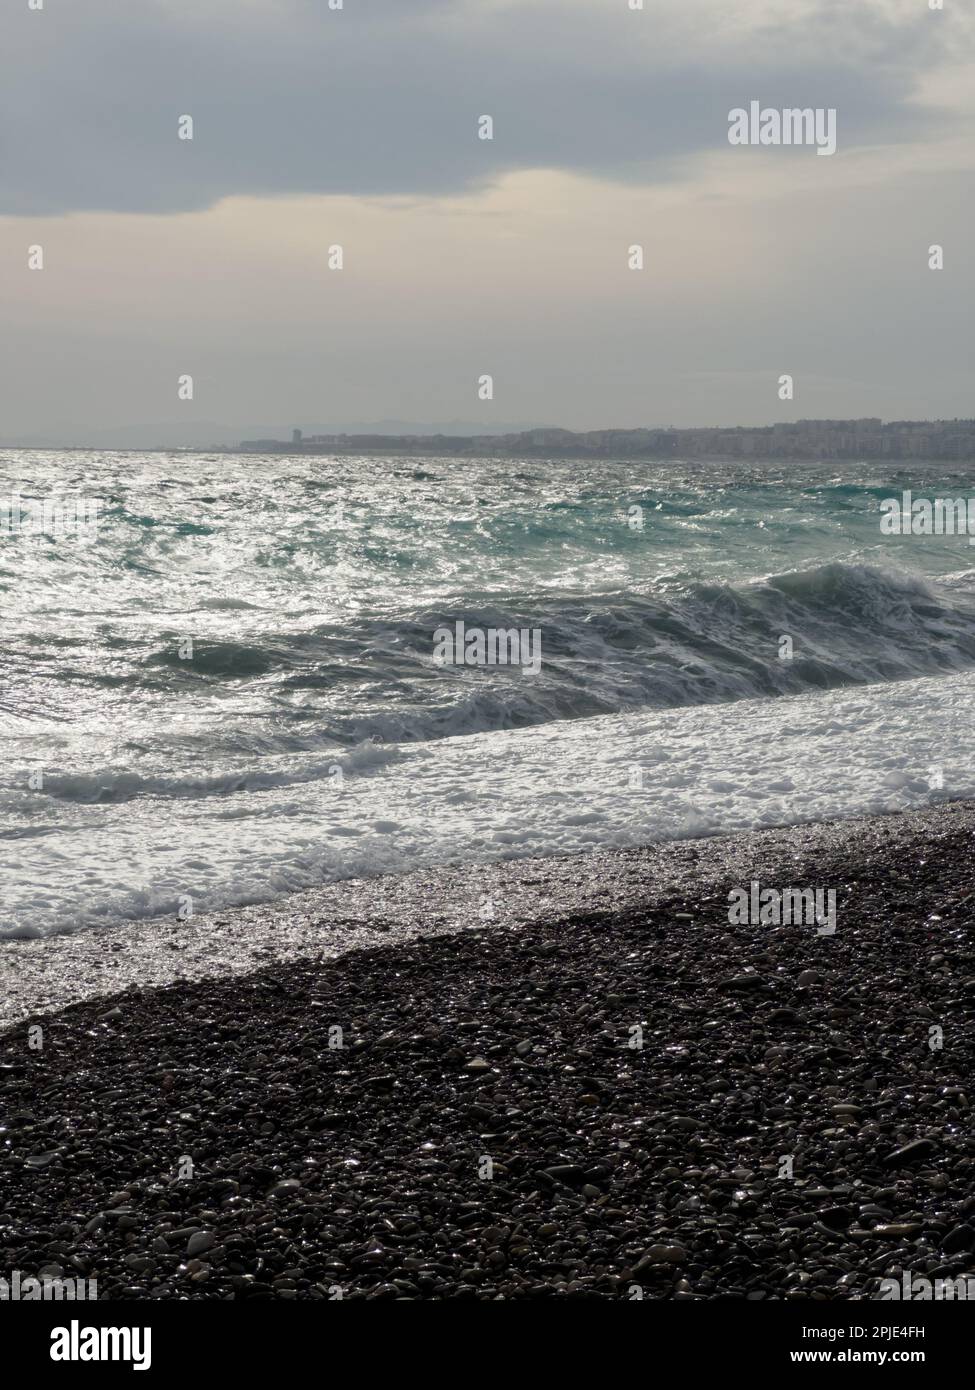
x=907 y=437
x=866 y=437
x=164 y=258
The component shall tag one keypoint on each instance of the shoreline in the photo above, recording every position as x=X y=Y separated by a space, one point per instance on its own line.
x=44 y=974
x=365 y=1168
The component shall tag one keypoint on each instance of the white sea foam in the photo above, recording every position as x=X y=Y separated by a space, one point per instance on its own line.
x=548 y=790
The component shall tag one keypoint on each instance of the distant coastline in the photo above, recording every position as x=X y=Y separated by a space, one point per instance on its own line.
x=804 y=439
x=812 y=440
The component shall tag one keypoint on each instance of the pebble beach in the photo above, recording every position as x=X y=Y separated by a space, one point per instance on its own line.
x=605 y=1091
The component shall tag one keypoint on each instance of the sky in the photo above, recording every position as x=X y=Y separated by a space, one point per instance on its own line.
x=463 y=257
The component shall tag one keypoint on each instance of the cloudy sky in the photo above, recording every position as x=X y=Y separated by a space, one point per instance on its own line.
x=359 y=127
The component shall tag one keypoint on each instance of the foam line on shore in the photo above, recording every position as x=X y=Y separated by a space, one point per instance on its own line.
x=46 y=975
x=566 y=787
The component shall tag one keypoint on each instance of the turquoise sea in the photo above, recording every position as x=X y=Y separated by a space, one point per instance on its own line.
x=211 y=690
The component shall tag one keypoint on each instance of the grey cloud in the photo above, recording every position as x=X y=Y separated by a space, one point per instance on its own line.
x=383 y=97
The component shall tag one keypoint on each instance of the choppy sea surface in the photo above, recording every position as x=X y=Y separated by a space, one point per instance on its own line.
x=228 y=690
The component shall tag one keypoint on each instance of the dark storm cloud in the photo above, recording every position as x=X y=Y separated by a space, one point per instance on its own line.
x=383 y=96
